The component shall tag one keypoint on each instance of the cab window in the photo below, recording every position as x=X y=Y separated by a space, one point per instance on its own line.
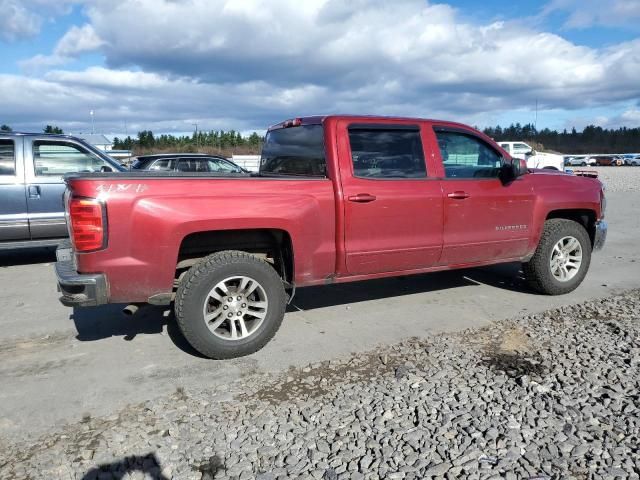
x=7 y=158
x=55 y=158
x=466 y=156
x=386 y=152
x=163 y=165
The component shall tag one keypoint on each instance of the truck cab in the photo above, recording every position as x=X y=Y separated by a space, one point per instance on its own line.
x=32 y=167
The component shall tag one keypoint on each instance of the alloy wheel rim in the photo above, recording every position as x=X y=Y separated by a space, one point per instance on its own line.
x=566 y=259
x=235 y=308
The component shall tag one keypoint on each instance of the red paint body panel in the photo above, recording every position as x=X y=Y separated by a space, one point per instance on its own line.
x=411 y=227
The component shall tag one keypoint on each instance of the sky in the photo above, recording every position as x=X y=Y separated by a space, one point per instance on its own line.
x=165 y=65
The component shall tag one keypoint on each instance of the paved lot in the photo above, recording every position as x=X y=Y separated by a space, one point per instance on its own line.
x=57 y=365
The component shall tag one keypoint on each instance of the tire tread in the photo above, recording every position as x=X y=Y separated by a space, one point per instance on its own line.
x=206 y=266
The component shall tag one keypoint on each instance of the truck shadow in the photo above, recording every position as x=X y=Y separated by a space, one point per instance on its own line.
x=27 y=256
x=505 y=276
x=108 y=321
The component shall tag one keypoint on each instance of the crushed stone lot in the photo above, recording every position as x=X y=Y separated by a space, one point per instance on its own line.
x=617 y=179
x=551 y=395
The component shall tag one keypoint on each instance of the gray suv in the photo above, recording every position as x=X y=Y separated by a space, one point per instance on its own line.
x=32 y=167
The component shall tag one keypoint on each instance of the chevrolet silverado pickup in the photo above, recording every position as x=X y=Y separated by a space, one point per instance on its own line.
x=337 y=199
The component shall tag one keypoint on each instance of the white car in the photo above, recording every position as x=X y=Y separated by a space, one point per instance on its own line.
x=633 y=160
x=534 y=159
x=579 y=161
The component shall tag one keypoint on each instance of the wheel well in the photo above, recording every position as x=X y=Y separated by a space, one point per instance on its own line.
x=586 y=218
x=273 y=245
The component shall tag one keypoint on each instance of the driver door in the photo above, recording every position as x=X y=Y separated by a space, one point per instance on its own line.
x=47 y=160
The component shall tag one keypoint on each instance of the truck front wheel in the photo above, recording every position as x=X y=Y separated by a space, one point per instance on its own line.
x=230 y=304
x=562 y=258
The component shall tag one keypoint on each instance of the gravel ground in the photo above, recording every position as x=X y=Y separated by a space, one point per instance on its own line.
x=617 y=179
x=552 y=395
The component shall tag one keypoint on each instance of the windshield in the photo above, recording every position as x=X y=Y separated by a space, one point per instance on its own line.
x=294 y=151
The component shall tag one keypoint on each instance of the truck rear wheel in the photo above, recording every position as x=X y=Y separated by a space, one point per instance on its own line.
x=562 y=258
x=230 y=304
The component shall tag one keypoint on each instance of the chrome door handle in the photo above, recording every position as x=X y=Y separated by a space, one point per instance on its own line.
x=34 y=191
x=362 y=198
x=458 y=195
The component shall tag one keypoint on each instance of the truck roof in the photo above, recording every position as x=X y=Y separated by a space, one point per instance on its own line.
x=319 y=119
x=34 y=134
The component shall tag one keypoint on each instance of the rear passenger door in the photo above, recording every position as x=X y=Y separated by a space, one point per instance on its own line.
x=14 y=222
x=392 y=208
x=484 y=218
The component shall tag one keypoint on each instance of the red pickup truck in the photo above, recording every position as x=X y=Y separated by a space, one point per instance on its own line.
x=337 y=199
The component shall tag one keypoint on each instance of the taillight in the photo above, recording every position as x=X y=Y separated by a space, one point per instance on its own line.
x=87 y=224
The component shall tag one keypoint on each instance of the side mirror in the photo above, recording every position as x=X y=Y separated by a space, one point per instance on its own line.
x=519 y=167
x=514 y=169
x=105 y=168
x=531 y=153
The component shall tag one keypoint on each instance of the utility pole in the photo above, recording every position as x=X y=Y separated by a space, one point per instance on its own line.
x=92 y=129
x=196 y=125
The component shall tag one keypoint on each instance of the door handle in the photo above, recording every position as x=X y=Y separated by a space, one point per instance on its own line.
x=458 y=195
x=362 y=198
x=34 y=191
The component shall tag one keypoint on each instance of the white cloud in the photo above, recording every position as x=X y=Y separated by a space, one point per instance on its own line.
x=78 y=40
x=254 y=62
x=587 y=13
x=75 y=41
x=16 y=21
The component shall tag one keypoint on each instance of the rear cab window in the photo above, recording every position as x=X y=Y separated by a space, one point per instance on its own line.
x=294 y=151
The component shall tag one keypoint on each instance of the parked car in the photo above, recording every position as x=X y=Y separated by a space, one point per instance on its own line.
x=534 y=159
x=32 y=167
x=578 y=161
x=186 y=162
x=632 y=160
x=605 y=161
x=337 y=199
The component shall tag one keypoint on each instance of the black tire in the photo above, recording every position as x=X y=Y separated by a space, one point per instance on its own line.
x=194 y=290
x=583 y=164
x=537 y=270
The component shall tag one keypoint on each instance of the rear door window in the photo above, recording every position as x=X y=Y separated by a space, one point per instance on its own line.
x=7 y=158
x=380 y=152
x=192 y=165
x=222 y=165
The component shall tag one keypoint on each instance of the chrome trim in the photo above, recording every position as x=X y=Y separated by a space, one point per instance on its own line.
x=600 y=236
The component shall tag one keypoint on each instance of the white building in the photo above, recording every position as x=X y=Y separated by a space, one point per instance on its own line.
x=97 y=140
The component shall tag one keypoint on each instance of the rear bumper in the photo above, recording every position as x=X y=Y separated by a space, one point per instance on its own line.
x=80 y=290
x=600 y=235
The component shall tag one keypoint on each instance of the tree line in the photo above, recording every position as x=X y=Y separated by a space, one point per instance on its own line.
x=592 y=139
x=48 y=129
x=220 y=140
